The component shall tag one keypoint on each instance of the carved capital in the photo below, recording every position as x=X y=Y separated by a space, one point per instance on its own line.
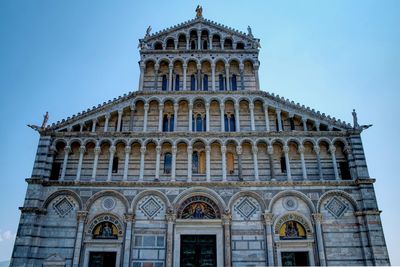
x=301 y=149
x=176 y=107
x=120 y=111
x=127 y=149
x=82 y=149
x=332 y=149
x=239 y=150
x=317 y=217
x=107 y=116
x=170 y=217
x=226 y=218
x=285 y=149
x=268 y=217
x=255 y=149
x=158 y=149
x=146 y=106
x=347 y=150
x=81 y=215
x=67 y=149
x=143 y=150
x=190 y=150
x=251 y=106
x=160 y=106
x=112 y=149
x=317 y=150
x=223 y=149
x=129 y=217
x=174 y=149
x=97 y=150
x=208 y=148
x=270 y=150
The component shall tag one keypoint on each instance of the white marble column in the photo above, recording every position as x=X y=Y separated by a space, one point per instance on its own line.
x=160 y=116
x=237 y=116
x=142 y=154
x=241 y=69
x=303 y=162
x=321 y=250
x=173 y=167
x=80 y=217
x=269 y=242
x=158 y=159
x=81 y=126
x=184 y=76
x=266 y=116
x=156 y=67
x=279 y=119
x=97 y=151
x=170 y=217
x=189 y=160
x=187 y=43
x=94 y=122
x=239 y=152
x=129 y=220
x=126 y=162
x=253 y=124
x=146 y=111
x=199 y=83
x=210 y=45
x=304 y=120
x=317 y=125
x=171 y=68
x=256 y=67
x=199 y=40
x=176 y=109
x=223 y=154
x=107 y=116
x=82 y=150
x=332 y=150
x=228 y=86
x=67 y=150
x=207 y=116
x=270 y=151
x=208 y=163
x=288 y=172
x=120 y=112
x=190 y=117
x=317 y=151
x=255 y=162
x=213 y=76
x=222 y=112
x=141 y=79
x=226 y=222
x=110 y=162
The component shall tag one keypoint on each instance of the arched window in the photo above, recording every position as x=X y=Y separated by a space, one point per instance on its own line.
x=292 y=124
x=195 y=162
x=234 y=82
x=167 y=163
x=230 y=123
x=199 y=123
x=230 y=163
x=192 y=82
x=240 y=46
x=205 y=45
x=277 y=125
x=193 y=45
x=283 y=164
x=221 y=82
x=168 y=123
x=164 y=83
x=177 y=82
x=205 y=82
x=115 y=165
x=158 y=46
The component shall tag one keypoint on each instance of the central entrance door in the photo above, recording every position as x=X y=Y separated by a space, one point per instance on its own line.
x=102 y=259
x=295 y=259
x=198 y=251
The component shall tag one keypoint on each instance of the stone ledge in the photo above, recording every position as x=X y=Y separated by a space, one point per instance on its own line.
x=32 y=210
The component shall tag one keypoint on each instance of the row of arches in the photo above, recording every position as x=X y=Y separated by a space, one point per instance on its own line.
x=202 y=160
x=199 y=40
x=215 y=115
x=198 y=75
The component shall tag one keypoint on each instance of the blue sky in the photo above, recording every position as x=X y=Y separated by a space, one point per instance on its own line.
x=66 y=56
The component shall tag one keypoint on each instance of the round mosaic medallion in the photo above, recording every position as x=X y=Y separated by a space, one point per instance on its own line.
x=290 y=203
x=108 y=203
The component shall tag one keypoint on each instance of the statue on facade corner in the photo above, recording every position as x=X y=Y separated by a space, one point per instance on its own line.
x=199 y=11
x=148 y=31
x=44 y=123
x=355 y=119
x=249 y=31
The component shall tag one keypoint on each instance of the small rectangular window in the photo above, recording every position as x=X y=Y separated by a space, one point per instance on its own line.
x=55 y=171
x=115 y=165
x=283 y=164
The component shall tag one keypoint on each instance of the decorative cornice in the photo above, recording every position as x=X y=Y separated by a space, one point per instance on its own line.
x=367 y=212
x=365 y=181
x=35 y=210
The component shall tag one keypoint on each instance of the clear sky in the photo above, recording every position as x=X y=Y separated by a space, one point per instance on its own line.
x=66 y=56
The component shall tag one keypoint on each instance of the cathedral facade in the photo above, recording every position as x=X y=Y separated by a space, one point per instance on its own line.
x=199 y=167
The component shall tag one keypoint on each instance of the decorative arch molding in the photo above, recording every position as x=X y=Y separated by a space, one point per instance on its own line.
x=324 y=139
x=73 y=140
x=103 y=193
x=292 y=193
x=145 y=193
x=293 y=216
x=340 y=139
x=105 y=217
x=199 y=191
x=340 y=193
x=254 y=195
x=61 y=193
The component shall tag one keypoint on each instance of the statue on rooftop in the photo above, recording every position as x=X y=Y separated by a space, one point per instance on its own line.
x=148 y=31
x=199 y=11
x=45 y=119
x=355 y=119
x=249 y=32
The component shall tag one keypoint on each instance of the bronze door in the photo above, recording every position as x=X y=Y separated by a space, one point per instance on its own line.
x=102 y=259
x=198 y=251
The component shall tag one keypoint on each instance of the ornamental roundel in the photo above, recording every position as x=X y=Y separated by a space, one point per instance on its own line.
x=105 y=226
x=290 y=203
x=199 y=207
x=290 y=224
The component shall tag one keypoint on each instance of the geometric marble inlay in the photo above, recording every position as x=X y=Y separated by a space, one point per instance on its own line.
x=336 y=207
x=108 y=203
x=246 y=208
x=150 y=207
x=63 y=207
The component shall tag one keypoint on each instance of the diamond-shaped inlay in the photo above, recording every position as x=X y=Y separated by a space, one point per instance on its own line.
x=63 y=207
x=246 y=208
x=150 y=207
x=336 y=207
